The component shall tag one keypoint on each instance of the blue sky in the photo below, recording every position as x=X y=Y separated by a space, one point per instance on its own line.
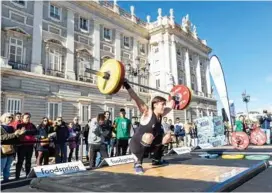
x=240 y=34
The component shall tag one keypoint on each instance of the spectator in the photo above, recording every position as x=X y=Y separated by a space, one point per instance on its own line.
x=8 y=137
x=193 y=133
x=25 y=150
x=72 y=141
x=44 y=129
x=62 y=135
x=77 y=129
x=107 y=130
x=85 y=135
x=187 y=137
x=165 y=125
x=135 y=124
x=240 y=124
x=17 y=120
x=179 y=131
x=265 y=125
x=122 y=125
x=96 y=139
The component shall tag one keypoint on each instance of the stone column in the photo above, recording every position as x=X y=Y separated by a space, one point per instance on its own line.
x=187 y=68
x=174 y=65
x=36 y=65
x=135 y=56
x=208 y=80
x=117 y=45
x=167 y=62
x=69 y=70
x=161 y=68
x=198 y=75
x=96 y=47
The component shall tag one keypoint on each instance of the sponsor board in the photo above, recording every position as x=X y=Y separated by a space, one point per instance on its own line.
x=205 y=145
x=56 y=169
x=112 y=161
x=182 y=150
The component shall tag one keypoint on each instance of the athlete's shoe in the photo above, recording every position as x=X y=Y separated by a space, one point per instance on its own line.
x=138 y=169
x=159 y=162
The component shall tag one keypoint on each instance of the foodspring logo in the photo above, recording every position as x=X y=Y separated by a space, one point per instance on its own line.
x=66 y=169
x=122 y=160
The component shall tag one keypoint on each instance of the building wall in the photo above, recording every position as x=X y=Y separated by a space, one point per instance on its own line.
x=36 y=89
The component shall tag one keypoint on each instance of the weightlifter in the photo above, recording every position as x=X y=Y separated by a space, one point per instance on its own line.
x=150 y=133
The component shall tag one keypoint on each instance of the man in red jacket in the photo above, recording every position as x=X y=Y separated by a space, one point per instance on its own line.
x=25 y=149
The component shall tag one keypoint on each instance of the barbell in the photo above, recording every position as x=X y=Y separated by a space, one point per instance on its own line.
x=111 y=76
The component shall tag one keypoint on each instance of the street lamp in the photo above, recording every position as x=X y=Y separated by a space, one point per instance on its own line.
x=246 y=99
x=138 y=70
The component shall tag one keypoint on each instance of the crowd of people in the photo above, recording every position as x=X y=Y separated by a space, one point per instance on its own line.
x=102 y=137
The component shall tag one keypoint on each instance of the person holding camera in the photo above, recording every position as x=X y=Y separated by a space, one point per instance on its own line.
x=265 y=121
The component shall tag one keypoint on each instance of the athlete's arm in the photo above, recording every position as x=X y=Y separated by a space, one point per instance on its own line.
x=140 y=103
x=169 y=105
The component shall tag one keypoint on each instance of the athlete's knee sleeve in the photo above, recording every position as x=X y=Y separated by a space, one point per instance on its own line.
x=147 y=139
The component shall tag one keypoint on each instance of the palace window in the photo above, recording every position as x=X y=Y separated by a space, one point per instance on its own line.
x=54 y=110
x=13 y=105
x=107 y=33
x=55 y=12
x=84 y=24
x=126 y=41
x=15 y=50
x=158 y=83
x=85 y=113
x=55 y=60
x=142 y=48
x=21 y=3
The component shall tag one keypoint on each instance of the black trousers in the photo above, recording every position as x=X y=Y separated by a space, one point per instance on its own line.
x=122 y=145
x=71 y=153
x=24 y=153
x=140 y=150
x=94 y=148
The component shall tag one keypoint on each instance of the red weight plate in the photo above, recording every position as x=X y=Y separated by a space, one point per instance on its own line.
x=182 y=95
x=258 y=137
x=122 y=78
x=239 y=140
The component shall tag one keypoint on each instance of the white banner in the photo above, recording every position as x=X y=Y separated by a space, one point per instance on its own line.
x=182 y=150
x=112 y=161
x=57 y=169
x=220 y=83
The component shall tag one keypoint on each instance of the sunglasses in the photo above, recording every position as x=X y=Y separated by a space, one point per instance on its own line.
x=45 y=120
x=10 y=117
x=59 y=120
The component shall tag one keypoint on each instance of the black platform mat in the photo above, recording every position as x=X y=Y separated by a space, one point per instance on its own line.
x=99 y=181
x=248 y=151
x=260 y=183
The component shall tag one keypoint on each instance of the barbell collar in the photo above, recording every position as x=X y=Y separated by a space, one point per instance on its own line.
x=105 y=75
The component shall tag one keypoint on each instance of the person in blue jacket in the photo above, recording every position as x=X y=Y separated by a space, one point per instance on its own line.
x=178 y=131
x=265 y=125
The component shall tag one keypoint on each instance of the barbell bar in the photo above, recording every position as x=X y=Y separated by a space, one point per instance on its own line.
x=111 y=76
x=106 y=76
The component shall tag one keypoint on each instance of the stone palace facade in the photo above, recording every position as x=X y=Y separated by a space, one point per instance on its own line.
x=46 y=46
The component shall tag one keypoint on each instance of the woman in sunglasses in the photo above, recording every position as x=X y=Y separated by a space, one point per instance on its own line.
x=44 y=129
x=8 y=137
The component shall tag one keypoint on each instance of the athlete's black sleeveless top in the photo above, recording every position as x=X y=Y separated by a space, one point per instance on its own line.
x=154 y=126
